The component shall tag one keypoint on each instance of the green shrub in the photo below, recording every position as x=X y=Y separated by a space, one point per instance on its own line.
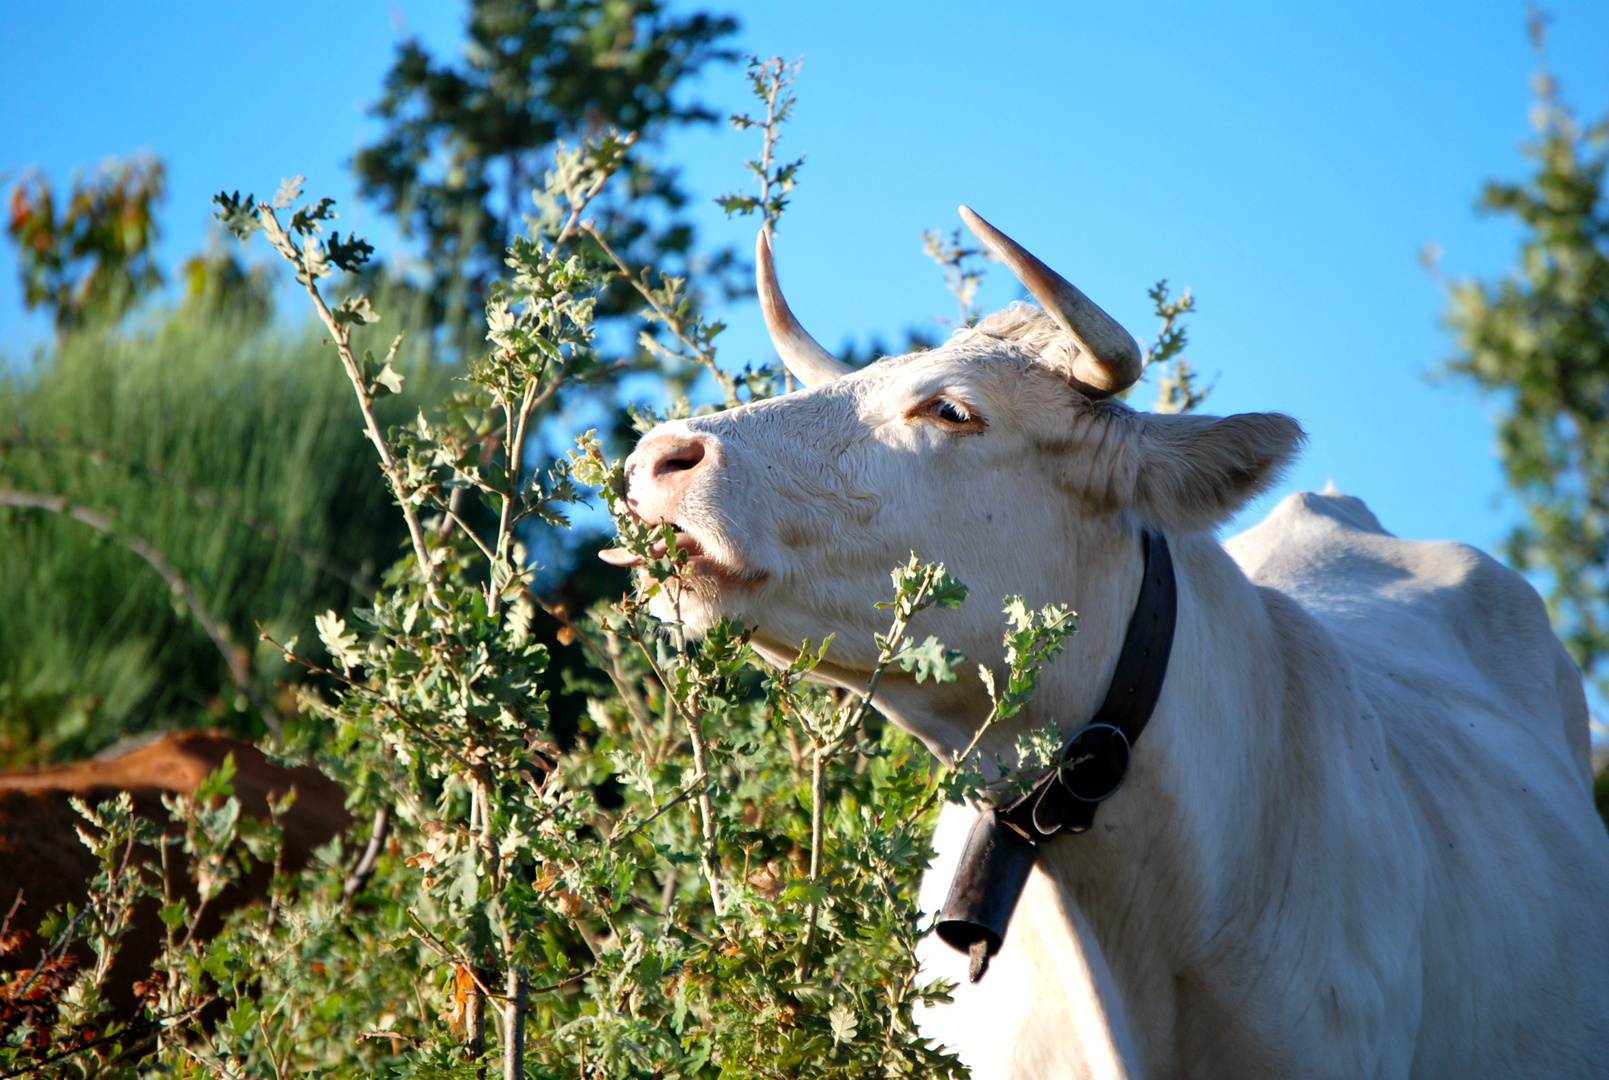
x=711 y=872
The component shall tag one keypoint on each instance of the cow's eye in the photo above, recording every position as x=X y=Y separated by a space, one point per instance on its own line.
x=950 y=412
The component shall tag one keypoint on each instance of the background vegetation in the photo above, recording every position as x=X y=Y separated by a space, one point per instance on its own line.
x=1538 y=339
x=222 y=437
x=225 y=445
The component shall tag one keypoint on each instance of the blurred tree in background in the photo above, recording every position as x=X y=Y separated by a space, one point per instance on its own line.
x=92 y=259
x=466 y=144
x=1539 y=339
x=216 y=284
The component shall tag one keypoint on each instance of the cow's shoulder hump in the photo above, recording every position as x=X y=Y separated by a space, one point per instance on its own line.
x=1437 y=621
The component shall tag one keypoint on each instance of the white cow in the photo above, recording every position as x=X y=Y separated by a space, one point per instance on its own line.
x=1357 y=838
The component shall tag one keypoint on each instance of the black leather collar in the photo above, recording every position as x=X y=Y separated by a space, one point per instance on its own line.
x=1001 y=847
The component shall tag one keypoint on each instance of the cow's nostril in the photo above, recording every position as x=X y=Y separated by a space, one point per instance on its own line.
x=681 y=459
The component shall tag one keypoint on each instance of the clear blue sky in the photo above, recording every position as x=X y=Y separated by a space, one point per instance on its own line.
x=1286 y=161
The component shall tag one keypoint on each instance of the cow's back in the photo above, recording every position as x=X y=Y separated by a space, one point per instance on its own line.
x=1427 y=623
x=1486 y=722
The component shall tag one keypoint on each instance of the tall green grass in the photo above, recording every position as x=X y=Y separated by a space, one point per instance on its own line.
x=233 y=450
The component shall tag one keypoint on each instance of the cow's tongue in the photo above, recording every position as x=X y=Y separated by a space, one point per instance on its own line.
x=657 y=550
x=620 y=557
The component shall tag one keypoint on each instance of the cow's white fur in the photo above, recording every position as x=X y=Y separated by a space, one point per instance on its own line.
x=1357 y=839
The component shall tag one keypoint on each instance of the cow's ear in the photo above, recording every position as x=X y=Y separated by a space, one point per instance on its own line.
x=1194 y=472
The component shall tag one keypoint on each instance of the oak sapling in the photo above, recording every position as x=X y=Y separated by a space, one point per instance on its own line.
x=712 y=872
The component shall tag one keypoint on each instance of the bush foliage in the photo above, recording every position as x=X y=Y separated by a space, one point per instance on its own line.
x=707 y=869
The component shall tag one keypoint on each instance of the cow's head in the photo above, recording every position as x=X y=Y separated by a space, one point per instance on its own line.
x=1000 y=453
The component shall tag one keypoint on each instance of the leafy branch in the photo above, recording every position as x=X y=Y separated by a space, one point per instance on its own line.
x=1031 y=640
x=917 y=587
x=671 y=306
x=314 y=259
x=963 y=268
x=1176 y=390
x=769 y=81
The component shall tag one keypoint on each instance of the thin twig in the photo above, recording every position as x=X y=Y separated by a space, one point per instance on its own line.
x=342 y=336
x=933 y=793
x=510 y=498
x=229 y=503
x=579 y=206
x=706 y=809
x=55 y=947
x=447 y=952
x=411 y=1040
x=16 y=904
x=235 y=657
x=648 y=909
x=849 y=721
x=702 y=354
x=464 y=525
x=364 y=869
x=691 y=789
x=709 y=858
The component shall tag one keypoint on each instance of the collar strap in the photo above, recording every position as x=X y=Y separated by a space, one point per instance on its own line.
x=1001 y=848
x=1096 y=759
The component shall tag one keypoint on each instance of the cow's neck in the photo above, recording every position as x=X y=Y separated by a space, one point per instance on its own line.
x=1230 y=790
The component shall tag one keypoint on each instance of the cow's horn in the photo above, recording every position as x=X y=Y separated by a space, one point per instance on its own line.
x=1109 y=358
x=809 y=362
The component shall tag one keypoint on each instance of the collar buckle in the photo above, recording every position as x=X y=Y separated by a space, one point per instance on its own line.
x=1095 y=762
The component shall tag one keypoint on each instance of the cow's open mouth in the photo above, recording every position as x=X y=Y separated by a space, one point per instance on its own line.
x=698 y=563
